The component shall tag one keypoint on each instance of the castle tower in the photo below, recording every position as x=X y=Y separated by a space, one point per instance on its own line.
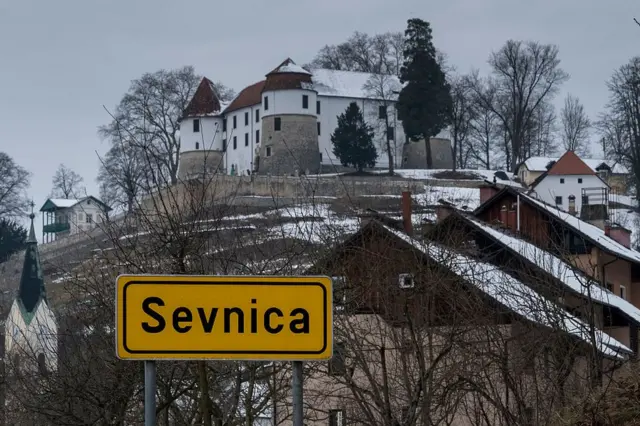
x=289 y=124
x=31 y=331
x=201 y=131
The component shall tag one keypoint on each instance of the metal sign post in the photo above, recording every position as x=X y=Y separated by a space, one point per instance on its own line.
x=248 y=318
x=149 y=393
x=298 y=412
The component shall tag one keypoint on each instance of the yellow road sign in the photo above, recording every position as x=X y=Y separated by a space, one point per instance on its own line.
x=224 y=317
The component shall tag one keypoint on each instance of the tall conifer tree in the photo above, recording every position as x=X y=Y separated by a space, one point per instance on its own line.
x=424 y=104
x=353 y=140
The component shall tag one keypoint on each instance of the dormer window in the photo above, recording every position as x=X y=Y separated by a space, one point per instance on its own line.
x=406 y=281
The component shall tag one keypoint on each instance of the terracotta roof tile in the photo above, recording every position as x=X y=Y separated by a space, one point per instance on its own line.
x=287 y=76
x=570 y=164
x=204 y=102
x=250 y=95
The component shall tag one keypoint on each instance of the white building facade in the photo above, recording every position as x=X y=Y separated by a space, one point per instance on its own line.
x=63 y=217
x=236 y=130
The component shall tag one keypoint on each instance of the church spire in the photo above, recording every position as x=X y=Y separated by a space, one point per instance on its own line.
x=32 y=282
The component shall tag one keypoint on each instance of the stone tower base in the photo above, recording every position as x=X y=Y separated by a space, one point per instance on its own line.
x=199 y=162
x=414 y=154
x=291 y=150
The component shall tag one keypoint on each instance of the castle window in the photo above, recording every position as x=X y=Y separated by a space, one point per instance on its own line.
x=257 y=136
x=266 y=103
x=197 y=145
x=246 y=118
x=235 y=122
x=277 y=124
x=318 y=128
x=235 y=142
x=268 y=151
x=305 y=102
x=224 y=145
x=579 y=180
x=224 y=125
x=246 y=139
x=196 y=125
x=382 y=111
x=558 y=201
x=318 y=107
x=390 y=132
x=561 y=180
x=257 y=116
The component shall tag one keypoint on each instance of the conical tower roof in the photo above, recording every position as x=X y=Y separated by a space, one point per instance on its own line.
x=288 y=76
x=32 y=289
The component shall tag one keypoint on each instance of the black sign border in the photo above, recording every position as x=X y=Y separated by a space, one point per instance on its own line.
x=225 y=352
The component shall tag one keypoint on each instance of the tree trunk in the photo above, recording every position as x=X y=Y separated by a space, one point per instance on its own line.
x=204 y=394
x=427 y=145
x=389 y=155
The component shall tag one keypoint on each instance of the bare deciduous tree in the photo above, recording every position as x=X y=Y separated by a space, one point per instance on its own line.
x=575 y=126
x=14 y=181
x=463 y=113
x=384 y=89
x=524 y=74
x=66 y=183
x=150 y=112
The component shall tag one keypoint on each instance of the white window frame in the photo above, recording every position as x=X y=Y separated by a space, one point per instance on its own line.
x=623 y=292
x=402 y=280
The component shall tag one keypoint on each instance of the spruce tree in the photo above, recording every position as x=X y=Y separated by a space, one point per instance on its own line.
x=353 y=140
x=12 y=238
x=424 y=104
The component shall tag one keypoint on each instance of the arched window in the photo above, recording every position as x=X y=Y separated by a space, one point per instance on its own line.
x=42 y=366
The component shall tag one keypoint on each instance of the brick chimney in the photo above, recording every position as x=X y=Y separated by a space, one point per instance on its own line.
x=607 y=228
x=512 y=218
x=572 y=204
x=620 y=234
x=406 y=212
x=486 y=192
x=504 y=215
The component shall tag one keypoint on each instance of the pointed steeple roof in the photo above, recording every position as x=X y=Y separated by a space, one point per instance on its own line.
x=205 y=100
x=32 y=289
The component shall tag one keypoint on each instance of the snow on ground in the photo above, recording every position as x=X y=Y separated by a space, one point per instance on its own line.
x=624 y=199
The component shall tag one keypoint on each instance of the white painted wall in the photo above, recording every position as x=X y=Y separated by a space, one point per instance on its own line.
x=242 y=155
x=209 y=136
x=289 y=102
x=553 y=186
x=28 y=341
x=331 y=107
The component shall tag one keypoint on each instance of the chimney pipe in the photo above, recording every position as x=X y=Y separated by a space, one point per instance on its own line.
x=572 y=204
x=406 y=212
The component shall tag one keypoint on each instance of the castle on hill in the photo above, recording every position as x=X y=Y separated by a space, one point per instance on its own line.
x=282 y=125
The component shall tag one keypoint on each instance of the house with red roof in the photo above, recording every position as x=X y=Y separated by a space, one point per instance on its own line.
x=571 y=185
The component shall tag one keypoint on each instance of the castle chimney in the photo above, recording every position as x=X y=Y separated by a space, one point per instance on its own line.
x=406 y=212
x=607 y=228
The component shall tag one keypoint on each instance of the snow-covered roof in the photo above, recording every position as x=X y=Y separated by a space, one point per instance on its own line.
x=562 y=271
x=63 y=203
x=513 y=294
x=591 y=231
x=293 y=68
x=346 y=84
x=539 y=164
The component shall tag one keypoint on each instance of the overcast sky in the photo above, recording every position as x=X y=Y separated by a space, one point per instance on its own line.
x=62 y=60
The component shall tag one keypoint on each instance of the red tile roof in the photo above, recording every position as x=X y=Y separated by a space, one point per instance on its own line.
x=287 y=76
x=204 y=102
x=250 y=95
x=570 y=164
